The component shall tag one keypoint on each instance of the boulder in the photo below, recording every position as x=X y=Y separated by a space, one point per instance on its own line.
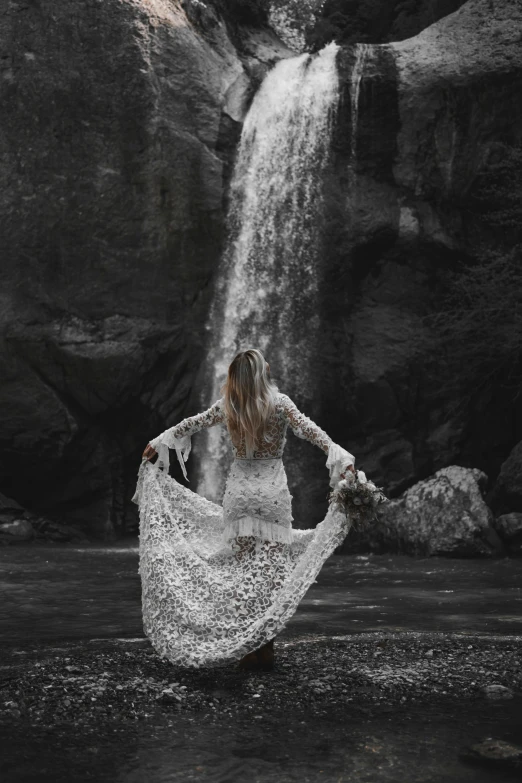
x=507 y=493
x=18 y=524
x=509 y=528
x=495 y=754
x=497 y=691
x=20 y=530
x=443 y=515
x=48 y=530
x=9 y=509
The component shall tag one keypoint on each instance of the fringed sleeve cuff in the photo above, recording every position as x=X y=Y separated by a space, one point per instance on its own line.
x=337 y=462
x=167 y=441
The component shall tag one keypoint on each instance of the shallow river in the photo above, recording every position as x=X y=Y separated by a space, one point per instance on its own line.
x=65 y=597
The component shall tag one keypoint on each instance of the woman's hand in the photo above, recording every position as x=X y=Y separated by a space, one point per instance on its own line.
x=350 y=467
x=149 y=453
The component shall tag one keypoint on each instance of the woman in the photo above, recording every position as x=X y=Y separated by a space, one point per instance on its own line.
x=219 y=582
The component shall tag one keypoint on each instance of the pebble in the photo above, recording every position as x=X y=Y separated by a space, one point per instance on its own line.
x=126 y=686
x=496 y=691
x=496 y=752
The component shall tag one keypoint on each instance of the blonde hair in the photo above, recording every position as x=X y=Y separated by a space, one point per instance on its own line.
x=249 y=397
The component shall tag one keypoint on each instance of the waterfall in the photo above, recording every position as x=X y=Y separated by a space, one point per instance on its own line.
x=361 y=54
x=266 y=296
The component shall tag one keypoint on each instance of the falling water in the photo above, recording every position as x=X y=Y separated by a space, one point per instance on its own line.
x=267 y=292
x=361 y=54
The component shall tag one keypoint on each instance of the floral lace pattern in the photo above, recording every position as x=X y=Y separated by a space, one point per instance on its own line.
x=220 y=581
x=257 y=500
x=206 y=602
x=286 y=414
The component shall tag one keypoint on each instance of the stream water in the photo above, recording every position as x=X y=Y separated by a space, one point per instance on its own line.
x=266 y=294
x=64 y=598
x=57 y=593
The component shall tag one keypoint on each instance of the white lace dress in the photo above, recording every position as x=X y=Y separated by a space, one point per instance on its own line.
x=220 y=581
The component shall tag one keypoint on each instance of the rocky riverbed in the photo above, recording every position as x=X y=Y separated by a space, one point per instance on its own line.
x=393 y=669
x=84 y=685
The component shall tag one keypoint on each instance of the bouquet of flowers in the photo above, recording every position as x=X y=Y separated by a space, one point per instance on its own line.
x=358 y=498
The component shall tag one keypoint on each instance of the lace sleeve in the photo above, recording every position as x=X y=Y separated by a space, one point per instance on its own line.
x=338 y=458
x=178 y=437
x=302 y=426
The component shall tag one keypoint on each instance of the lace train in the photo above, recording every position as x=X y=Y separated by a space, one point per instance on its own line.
x=208 y=597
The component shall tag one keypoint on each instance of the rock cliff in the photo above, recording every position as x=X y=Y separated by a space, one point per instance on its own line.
x=405 y=210
x=120 y=122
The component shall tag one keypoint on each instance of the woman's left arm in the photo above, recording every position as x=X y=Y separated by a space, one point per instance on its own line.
x=339 y=460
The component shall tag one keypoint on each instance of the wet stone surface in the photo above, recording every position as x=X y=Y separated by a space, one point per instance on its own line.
x=433 y=692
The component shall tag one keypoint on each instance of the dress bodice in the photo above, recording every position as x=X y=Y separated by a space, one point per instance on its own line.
x=286 y=414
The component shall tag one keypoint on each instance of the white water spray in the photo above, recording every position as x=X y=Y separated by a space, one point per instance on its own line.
x=267 y=292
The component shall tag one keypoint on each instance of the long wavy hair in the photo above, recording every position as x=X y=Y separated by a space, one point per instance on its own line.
x=249 y=396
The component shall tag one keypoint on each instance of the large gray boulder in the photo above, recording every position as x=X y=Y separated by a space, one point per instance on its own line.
x=444 y=515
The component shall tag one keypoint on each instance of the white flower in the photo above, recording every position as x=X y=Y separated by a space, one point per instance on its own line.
x=343 y=484
x=361 y=475
x=350 y=478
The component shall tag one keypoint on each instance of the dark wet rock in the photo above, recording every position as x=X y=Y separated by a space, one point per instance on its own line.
x=509 y=528
x=49 y=530
x=495 y=753
x=496 y=691
x=9 y=509
x=121 y=121
x=310 y=24
x=507 y=492
x=443 y=515
x=19 y=524
x=349 y=21
x=113 y=224
x=20 y=529
x=406 y=211
x=200 y=14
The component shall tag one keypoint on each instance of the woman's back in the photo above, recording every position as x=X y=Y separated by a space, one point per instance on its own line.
x=272 y=446
x=285 y=414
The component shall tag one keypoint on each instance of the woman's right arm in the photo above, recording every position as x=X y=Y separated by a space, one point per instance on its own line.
x=187 y=427
x=178 y=437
